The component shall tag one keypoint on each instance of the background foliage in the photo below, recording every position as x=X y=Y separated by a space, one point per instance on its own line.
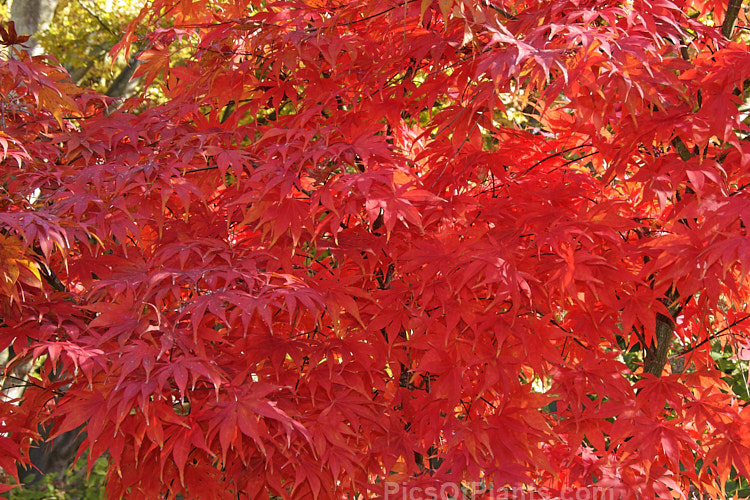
x=81 y=36
x=73 y=484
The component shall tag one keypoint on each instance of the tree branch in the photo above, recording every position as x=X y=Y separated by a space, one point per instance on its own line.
x=656 y=353
x=98 y=19
x=713 y=336
x=733 y=10
x=121 y=85
x=681 y=149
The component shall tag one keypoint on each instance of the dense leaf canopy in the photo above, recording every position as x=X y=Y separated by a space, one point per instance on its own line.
x=498 y=244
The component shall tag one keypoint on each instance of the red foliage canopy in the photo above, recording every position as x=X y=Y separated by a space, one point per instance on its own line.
x=367 y=243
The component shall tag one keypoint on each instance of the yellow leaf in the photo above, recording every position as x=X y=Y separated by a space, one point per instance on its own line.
x=51 y=101
x=33 y=267
x=12 y=254
x=445 y=9
x=10 y=272
x=423 y=8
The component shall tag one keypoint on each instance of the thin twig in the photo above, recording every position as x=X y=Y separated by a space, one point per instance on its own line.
x=555 y=155
x=30 y=383
x=710 y=338
x=98 y=19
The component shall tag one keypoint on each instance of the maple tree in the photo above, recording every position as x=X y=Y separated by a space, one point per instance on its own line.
x=386 y=242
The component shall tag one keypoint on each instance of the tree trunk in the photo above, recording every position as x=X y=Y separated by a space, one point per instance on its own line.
x=31 y=16
x=53 y=457
x=124 y=86
x=656 y=353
